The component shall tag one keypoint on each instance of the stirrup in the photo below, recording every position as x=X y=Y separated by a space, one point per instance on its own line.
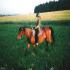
x=37 y=44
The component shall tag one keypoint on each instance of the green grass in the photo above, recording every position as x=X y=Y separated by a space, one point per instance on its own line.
x=15 y=55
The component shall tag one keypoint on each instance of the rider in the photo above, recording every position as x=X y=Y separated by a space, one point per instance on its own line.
x=37 y=28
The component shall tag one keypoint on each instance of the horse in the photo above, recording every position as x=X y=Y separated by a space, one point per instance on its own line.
x=45 y=34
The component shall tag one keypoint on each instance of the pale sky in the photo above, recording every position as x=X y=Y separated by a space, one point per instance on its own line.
x=19 y=6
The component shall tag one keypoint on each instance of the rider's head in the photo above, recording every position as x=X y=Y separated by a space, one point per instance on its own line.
x=37 y=15
x=33 y=27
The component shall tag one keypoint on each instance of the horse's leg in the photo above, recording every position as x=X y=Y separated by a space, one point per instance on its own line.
x=36 y=36
x=48 y=38
x=28 y=45
x=32 y=40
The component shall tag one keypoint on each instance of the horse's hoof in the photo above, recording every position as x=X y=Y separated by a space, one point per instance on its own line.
x=37 y=44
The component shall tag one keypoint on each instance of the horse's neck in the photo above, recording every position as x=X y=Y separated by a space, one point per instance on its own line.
x=28 y=32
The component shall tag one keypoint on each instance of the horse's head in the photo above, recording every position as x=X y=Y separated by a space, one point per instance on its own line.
x=24 y=31
x=21 y=32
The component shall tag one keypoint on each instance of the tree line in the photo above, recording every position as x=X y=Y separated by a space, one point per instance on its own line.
x=53 y=6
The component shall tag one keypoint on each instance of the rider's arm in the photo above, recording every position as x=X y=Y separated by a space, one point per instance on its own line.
x=36 y=27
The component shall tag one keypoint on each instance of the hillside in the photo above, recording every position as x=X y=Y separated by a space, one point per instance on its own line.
x=57 y=15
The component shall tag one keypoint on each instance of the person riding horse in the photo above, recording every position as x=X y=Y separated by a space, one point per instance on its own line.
x=37 y=28
x=36 y=34
x=45 y=35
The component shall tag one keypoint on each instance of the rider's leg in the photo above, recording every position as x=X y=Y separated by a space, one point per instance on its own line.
x=36 y=36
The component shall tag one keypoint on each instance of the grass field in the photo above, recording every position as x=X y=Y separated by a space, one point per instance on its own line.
x=15 y=56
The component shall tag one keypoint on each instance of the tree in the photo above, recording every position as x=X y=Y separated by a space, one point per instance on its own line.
x=53 y=6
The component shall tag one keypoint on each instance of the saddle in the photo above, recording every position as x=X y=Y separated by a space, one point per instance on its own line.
x=34 y=32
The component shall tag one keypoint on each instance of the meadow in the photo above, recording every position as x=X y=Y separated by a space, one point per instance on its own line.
x=14 y=54
x=56 y=15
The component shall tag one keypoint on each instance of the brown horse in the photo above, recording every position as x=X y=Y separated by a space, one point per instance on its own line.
x=44 y=34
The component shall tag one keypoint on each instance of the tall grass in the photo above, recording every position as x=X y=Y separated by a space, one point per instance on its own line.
x=14 y=53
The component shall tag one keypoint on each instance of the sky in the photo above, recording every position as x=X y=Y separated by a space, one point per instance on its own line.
x=19 y=6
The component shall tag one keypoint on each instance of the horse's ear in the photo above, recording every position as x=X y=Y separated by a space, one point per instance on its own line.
x=21 y=28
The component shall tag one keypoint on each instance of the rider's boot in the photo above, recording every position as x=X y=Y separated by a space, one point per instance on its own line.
x=37 y=44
